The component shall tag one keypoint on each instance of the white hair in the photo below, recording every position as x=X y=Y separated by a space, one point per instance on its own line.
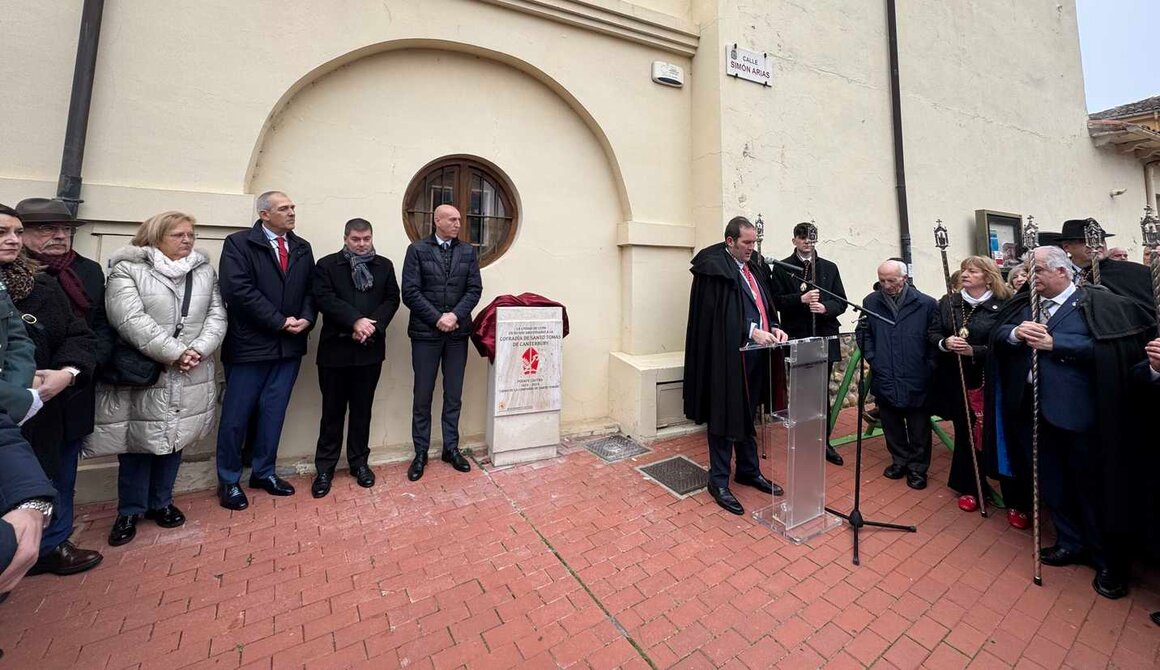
x=1054 y=258
x=263 y=202
x=898 y=266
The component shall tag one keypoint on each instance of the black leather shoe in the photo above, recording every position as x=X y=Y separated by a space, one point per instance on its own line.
x=832 y=456
x=894 y=472
x=67 y=559
x=364 y=476
x=321 y=485
x=457 y=460
x=1057 y=556
x=726 y=500
x=761 y=484
x=416 y=470
x=274 y=485
x=231 y=496
x=916 y=481
x=124 y=530
x=166 y=517
x=1110 y=584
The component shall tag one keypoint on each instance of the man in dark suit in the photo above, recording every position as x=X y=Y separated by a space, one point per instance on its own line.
x=901 y=361
x=807 y=312
x=356 y=292
x=25 y=502
x=730 y=305
x=1082 y=455
x=48 y=233
x=265 y=276
x=441 y=285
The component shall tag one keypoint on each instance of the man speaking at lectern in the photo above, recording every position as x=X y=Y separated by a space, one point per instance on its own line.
x=730 y=305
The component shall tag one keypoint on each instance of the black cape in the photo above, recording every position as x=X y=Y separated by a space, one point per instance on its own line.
x=795 y=315
x=1120 y=329
x=715 y=390
x=1127 y=279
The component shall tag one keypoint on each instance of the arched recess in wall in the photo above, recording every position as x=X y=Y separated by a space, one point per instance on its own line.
x=456 y=47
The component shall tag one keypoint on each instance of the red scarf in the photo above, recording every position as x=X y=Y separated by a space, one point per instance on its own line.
x=61 y=268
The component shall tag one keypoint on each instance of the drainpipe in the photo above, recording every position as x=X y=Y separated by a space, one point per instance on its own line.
x=68 y=187
x=896 y=118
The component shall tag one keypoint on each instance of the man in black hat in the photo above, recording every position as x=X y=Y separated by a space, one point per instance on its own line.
x=48 y=235
x=805 y=311
x=1126 y=279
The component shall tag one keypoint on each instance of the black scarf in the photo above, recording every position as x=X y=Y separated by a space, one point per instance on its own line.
x=359 y=272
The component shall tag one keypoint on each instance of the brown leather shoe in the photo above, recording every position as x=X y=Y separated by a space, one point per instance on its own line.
x=66 y=559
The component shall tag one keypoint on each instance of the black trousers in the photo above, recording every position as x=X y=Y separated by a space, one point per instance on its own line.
x=1071 y=486
x=908 y=435
x=427 y=358
x=722 y=450
x=343 y=389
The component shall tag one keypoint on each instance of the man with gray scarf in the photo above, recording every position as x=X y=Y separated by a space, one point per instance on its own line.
x=356 y=292
x=901 y=362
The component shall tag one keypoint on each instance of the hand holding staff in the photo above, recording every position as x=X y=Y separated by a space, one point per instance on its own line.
x=942 y=241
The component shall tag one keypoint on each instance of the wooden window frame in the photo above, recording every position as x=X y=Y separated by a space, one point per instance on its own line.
x=461 y=199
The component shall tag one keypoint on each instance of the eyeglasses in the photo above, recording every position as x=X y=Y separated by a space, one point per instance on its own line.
x=182 y=236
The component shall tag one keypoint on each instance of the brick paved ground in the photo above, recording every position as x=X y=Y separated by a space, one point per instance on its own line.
x=568 y=563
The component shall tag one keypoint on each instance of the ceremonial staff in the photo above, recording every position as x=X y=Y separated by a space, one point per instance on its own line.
x=1093 y=239
x=942 y=241
x=812 y=236
x=1030 y=242
x=1150 y=229
x=759 y=226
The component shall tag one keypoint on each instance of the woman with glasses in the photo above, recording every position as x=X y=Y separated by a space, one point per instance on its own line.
x=162 y=299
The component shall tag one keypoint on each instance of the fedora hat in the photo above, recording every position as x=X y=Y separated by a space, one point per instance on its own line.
x=1073 y=230
x=33 y=211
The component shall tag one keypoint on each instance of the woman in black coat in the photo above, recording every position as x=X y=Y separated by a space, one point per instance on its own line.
x=975 y=309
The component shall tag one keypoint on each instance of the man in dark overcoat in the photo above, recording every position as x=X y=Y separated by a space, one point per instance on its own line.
x=48 y=235
x=730 y=306
x=806 y=311
x=901 y=362
x=1089 y=340
x=441 y=285
x=357 y=295
x=264 y=275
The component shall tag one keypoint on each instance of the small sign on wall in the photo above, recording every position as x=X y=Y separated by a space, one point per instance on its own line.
x=749 y=65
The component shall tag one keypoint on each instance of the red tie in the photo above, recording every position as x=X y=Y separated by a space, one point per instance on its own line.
x=283 y=256
x=756 y=296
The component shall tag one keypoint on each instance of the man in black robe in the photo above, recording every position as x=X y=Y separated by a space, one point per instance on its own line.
x=807 y=312
x=1088 y=345
x=1127 y=279
x=730 y=305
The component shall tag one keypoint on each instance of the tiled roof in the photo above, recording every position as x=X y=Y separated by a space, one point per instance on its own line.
x=1145 y=106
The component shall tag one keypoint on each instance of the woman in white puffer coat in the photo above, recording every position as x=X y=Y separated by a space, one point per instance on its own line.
x=149 y=426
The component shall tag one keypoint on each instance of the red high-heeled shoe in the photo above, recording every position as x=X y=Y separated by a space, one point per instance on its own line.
x=968 y=503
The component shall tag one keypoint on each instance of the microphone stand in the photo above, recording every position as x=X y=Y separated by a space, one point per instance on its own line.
x=854 y=516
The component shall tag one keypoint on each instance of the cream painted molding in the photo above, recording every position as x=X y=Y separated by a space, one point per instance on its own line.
x=132 y=204
x=641 y=234
x=615 y=18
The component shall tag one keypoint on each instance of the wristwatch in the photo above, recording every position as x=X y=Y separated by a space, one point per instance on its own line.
x=42 y=505
x=72 y=371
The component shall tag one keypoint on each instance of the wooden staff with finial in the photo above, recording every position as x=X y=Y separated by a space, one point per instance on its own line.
x=942 y=241
x=812 y=236
x=1150 y=229
x=1093 y=239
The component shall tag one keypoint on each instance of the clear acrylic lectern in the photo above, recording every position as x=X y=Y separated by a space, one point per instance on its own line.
x=801 y=514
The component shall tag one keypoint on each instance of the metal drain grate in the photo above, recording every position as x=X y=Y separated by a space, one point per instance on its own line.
x=677 y=474
x=616 y=448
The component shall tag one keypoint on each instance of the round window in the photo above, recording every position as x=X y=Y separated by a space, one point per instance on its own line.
x=482 y=194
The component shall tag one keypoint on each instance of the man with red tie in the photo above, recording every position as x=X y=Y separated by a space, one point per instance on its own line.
x=730 y=306
x=265 y=278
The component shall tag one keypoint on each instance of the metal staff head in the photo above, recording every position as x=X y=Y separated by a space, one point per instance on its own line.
x=941 y=239
x=812 y=232
x=1030 y=235
x=1093 y=238
x=1150 y=230
x=759 y=226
